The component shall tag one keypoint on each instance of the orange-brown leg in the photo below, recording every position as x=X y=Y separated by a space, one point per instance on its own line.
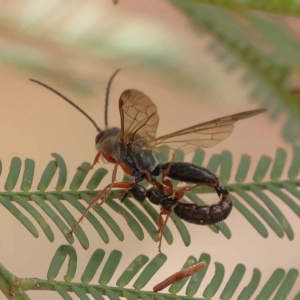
x=113 y=179
x=124 y=185
x=161 y=226
x=166 y=172
x=96 y=160
x=167 y=182
x=180 y=193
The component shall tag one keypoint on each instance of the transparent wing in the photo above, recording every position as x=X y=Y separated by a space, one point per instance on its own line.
x=203 y=135
x=139 y=118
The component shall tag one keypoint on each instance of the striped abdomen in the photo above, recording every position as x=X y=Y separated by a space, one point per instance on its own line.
x=205 y=214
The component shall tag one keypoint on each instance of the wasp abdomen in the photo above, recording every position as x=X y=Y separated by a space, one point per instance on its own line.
x=204 y=214
x=191 y=173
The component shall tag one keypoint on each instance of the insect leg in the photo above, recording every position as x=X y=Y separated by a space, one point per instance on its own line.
x=161 y=226
x=113 y=179
x=124 y=185
x=144 y=174
x=180 y=193
x=96 y=159
x=125 y=196
x=167 y=182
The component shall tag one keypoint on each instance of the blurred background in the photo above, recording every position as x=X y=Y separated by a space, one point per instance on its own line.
x=196 y=62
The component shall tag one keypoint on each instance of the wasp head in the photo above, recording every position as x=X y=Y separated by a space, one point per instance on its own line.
x=106 y=140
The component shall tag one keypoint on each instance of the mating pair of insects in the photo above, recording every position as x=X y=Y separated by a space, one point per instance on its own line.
x=131 y=147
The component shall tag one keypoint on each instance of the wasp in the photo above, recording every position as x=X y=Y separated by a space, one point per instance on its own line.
x=131 y=145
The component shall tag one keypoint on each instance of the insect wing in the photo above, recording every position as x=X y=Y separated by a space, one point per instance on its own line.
x=139 y=118
x=203 y=135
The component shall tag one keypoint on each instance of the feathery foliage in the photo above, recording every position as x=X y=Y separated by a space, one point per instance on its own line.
x=247 y=197
x=239 y=45
x=140 y=272
x=291 y=7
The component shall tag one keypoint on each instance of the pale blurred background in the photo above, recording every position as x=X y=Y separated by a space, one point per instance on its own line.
x=75 y=47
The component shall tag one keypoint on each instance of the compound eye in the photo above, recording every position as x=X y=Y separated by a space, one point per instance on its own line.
x=99 y=136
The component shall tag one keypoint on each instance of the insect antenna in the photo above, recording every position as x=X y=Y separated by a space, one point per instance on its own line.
x=107 y=95
x=68 y=100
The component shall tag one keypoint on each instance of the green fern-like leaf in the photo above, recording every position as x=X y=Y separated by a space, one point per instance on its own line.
x=249 y=198
x=236 y=46
x=140 y=272
x=271 y=6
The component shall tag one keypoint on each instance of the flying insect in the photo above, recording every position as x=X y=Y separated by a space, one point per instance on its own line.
x=131 y=146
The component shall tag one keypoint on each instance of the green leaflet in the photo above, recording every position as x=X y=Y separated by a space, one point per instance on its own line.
x=237 y=45
x=144 y=271
x=142 y=218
